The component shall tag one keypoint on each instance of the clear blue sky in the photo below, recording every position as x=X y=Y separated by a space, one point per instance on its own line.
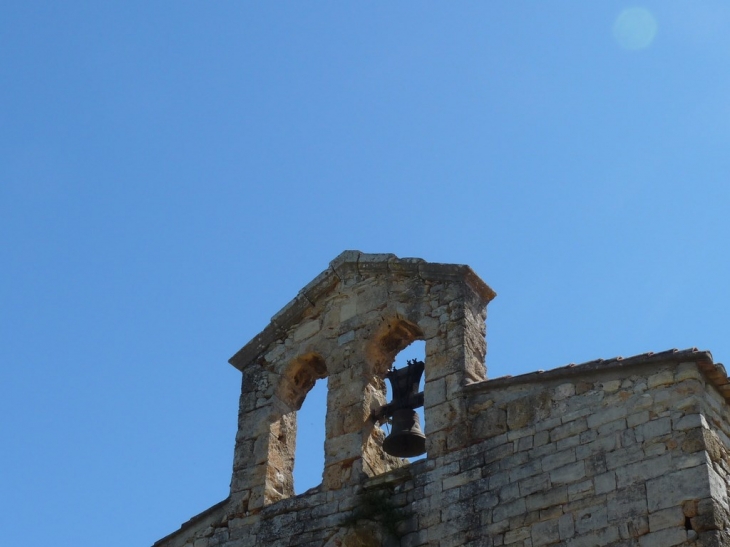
x=172 y=173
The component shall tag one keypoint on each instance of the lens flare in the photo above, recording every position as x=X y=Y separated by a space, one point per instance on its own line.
x=635 y=28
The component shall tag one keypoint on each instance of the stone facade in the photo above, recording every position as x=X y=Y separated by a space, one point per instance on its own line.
x=624 y=452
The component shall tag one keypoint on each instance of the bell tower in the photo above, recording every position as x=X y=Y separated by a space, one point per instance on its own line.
x=347 y=325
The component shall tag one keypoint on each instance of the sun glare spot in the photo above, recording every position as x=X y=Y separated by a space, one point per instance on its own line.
x=635 y=28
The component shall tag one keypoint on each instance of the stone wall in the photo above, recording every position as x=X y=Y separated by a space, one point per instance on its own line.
x=632 y=452
x=605 y=454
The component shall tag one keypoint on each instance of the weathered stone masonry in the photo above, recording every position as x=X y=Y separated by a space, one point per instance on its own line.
x=624 y=452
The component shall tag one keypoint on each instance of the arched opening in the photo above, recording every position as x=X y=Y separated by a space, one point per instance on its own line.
x=309 y=452
x=393 y=337
x=288 y=446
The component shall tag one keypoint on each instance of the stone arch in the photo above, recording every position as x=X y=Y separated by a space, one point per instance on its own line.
x=267 y=424
x=296 y=381
x=394 y=335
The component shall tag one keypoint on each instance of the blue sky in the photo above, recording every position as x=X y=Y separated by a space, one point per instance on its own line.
x=171 y=174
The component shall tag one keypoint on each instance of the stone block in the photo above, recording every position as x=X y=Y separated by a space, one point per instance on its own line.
x=568 y=430
x=672 y=517
x=624 y=456
x=541 y=438
x=559 y=459
x=543 y=450
x=612 y=427
x=509 y=492
x=568 y=442
x=640 y=471
x=516 y=459
x=541 y=500
x=348 y=309
x=485 y=501
x=569 y=416
x=548 y=513
x=435 y=393
x=606 y=415
x=526 y=410
x=448 y=415
x=462 y=479
x=663 y=378
x=306 y=330
x=528 y=469
x=375 y=263
x=489 y=423
x=580 y=490
x=610 y=386
x=710 y=515
x=687 y=371
x=568 y=473
x=566 y=527
x=590 y=519
x=691 y=421
x=506 y=510
x=548 y=423
x=292 y=311
x=531 y=485
x=344 y=447
x=501 y=450
x=664 y=538
x=498 y=480
x=682 y=461
x=674 y=488
x=654 y=428
x=345 y=338
x=320 y=285
x=601 y=445
x=516 y=536
x=525 y=443
x=605 y=482
x=595 y=464
x=545 y=533
x=563 y=391
x=627 y=503
x=599 y=538
x=637 y=418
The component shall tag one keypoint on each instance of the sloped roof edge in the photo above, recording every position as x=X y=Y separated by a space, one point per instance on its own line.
x=714 y=372
x=214 y=513
x=345 y=266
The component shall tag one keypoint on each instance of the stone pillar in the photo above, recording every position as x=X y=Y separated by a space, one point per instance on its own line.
x=455 y=356
x=345 y=419
x=267 y=429
x=353 y=441
x=255 y=417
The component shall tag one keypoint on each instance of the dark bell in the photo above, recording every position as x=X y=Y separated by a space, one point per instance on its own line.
x=406 y=439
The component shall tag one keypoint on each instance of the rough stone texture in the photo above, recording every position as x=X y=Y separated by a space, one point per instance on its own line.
x=625 y=452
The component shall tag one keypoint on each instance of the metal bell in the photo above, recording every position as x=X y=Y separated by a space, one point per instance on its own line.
x=406 y=440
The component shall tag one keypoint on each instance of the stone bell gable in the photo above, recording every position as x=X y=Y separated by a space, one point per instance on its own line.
x=347 y=325
x=625 y=452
